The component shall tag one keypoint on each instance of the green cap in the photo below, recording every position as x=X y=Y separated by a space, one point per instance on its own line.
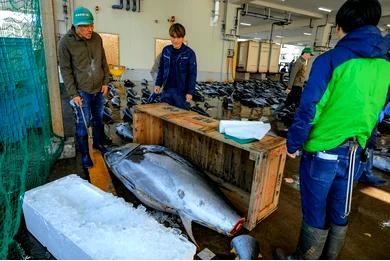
x=82 y=16
x=307 y=50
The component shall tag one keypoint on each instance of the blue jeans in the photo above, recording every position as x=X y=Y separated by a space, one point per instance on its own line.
x=174 y=98
x=324 y=185
x=93 y=106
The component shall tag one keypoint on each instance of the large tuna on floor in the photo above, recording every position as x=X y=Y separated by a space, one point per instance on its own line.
x=163 y=180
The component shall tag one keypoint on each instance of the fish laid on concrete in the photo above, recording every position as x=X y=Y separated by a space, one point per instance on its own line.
x=382 y=163
x=165 y=181
x=124 y=131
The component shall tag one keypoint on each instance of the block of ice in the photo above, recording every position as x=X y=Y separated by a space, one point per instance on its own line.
x=76 y=220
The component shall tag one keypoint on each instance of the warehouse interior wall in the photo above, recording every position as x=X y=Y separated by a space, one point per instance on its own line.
x=138 y=31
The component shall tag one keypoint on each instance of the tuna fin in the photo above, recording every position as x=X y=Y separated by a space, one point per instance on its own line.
x=187 y=223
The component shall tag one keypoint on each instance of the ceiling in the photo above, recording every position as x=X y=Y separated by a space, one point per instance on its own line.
x=301 y=12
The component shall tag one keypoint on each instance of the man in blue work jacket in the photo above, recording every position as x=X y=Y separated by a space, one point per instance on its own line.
x=177 y=70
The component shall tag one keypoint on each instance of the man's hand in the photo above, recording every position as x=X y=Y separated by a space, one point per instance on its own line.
x=293 y=155
x=104 y=90
x=188 y=98
x=78 y=101
x=157 y=89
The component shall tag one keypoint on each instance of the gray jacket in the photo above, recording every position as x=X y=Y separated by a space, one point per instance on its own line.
x=83 y=63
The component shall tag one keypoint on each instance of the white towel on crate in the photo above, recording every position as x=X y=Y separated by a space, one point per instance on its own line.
x=244 y=129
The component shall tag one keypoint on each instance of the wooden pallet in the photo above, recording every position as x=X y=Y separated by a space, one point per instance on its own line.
x=250 y=175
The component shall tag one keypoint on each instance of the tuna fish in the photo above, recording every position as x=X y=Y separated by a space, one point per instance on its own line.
x=116 y=101
x=130 y=93
x=124 y=131
x=382 y=163
x=163 y=180
x=129 y=83
x=198 y=109
x=127 y=115
x=107 y=115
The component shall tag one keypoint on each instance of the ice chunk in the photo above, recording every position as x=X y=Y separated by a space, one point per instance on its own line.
x=76 y=220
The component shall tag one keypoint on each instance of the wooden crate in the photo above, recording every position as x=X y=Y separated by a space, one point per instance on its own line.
x=248 y=56
x=250 y=175
x=263 y=58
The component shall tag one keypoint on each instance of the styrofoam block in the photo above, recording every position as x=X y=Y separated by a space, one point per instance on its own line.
x=76 y=220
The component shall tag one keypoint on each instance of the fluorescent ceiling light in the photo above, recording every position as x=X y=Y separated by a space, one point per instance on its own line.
x=246 y=24
x=324 y=9
x=388 y=25
x=257 y=38
x=241 y=40
x=278 y=36
x=307 y=33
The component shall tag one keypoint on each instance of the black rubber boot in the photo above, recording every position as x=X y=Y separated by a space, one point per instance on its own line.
x=98 y=136
x=120 y=6
x=334 y=242
x=83 y=147
x=127 y=5
x=310 y=245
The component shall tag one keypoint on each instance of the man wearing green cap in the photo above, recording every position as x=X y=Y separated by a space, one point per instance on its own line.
x=86 y=75
x=297 y=77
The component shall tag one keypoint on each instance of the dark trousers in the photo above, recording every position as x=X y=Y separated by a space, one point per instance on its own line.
x=294 y=96
x=324 y=183
x=175 y=99
x=93 y=106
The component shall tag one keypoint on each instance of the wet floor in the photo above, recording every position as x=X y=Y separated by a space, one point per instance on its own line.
x=369 y=229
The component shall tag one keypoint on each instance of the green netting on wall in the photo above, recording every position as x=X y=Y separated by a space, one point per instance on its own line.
x=28 y=147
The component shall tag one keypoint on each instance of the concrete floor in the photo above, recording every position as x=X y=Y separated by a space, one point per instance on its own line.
x=368 y=236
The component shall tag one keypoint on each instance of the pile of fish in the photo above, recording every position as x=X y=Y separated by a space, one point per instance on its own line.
x=252 y=93
x=163 y=180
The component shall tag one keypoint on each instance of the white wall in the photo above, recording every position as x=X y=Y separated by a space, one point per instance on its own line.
x=138 y=31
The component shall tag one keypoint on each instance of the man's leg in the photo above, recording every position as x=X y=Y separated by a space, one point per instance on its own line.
x=336 y=208
x=97 y=108
x=316 y=178
x=298 y=94
x=81 y=130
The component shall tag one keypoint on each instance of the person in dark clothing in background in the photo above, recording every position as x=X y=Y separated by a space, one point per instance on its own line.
x=283 y=71
x=177 y=70
x=85 y=72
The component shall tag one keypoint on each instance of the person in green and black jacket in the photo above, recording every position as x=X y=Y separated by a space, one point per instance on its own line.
x=340 y=105
x=86 y=75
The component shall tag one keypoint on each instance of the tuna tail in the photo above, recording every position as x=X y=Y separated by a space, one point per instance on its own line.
x=187 y=223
